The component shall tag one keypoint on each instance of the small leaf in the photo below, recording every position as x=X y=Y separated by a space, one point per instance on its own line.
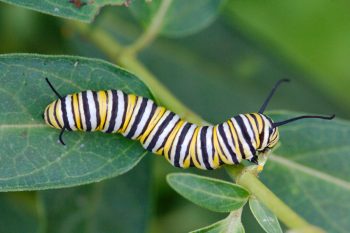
x=264 y=216
x=30 y=156
x=66 y=9
x=213 y=194
x=231 y=224
x=182 y=18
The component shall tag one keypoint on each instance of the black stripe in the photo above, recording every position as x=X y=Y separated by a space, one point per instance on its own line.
x=86 y=110
x=166 y=137
x=179 y=144
x=160 y=131
x=104 y=123
x=54 y=114
x=64 y=114
x=97 y=107
x=223 y=136
x=261 y=135
x=73 y=111
x=48 y=117
x=137 y=118
x=245 y=134
x=257 y=128
x=115 y=106
x=126 y=102
x=203 y=139
x=154 y=107
x=251 y=127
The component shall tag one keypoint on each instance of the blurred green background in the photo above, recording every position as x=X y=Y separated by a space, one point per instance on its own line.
x=225 y=69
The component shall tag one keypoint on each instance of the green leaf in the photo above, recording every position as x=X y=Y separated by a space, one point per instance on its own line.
x=213 y=194
x=231 y=224
x=30 y=156
x=115 y=205
x=310 y=170
x=20 y=212
x=182 y=18
x=66 y=9
x=264 y=216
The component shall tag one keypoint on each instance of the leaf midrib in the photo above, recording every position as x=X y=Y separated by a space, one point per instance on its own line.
x=310 y=171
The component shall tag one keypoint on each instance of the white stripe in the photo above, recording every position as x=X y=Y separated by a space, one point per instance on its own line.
x=134 y=114
x=144 y=119
x=223 y=146
x=185 y=144
x=92 y=109
x=155 y=129
x=82 y=113
x=69 y=110
x=166 y=132
x=120 y=111
x=246 y=150
x=109 y=110
x=266 y=132
x=249 y=129
x=209 y=138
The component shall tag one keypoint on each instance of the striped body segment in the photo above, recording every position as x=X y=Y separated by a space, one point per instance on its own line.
x=163 y=132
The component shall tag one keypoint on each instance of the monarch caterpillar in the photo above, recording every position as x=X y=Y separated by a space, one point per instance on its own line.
x=183 y=144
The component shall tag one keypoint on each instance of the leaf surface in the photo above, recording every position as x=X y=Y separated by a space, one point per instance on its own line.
x=66 y=9
x=231 y=224
x=30 y=156
x=213 y=194
x=264 y=216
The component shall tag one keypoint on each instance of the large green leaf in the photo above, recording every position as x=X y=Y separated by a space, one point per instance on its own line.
x=30 y=156
x=66 y=9
x=20 y=212
x=213 y=194
x=231 y=224
x=182 y=18
x=310 y=170
x=120 y=204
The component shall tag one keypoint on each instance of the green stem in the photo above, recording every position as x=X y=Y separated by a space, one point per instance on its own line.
x=152 y=31
x=291 y=219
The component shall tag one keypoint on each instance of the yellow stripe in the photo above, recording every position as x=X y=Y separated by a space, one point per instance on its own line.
x=59 y=113
x=217 y=146
x=131 y=105
x=102 y=102
x=252 y=122
x=51 y=115
x=155 y=118
x=193 y=148
x=235 y=138
x=260 y=122
x=76 y=111
x=187 y=161
x=171 y=139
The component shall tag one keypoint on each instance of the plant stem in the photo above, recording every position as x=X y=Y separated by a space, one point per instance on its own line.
x=152 y=31
x=291 y=219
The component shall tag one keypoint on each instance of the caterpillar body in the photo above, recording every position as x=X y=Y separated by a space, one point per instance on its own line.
x=183 y=144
